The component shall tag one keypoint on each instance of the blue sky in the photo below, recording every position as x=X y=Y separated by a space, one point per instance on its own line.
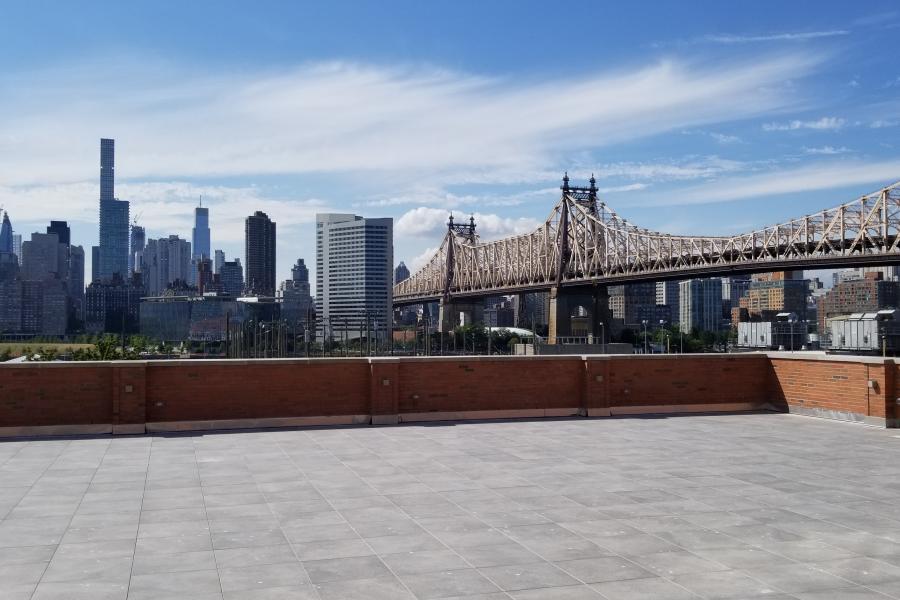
x=696 y=117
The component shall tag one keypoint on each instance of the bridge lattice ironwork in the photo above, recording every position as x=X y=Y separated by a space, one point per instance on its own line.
x=583 y=241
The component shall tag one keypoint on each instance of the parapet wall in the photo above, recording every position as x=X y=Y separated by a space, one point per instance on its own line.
x=139 y=396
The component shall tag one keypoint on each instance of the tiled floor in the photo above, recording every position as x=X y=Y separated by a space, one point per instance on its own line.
x=730 y=506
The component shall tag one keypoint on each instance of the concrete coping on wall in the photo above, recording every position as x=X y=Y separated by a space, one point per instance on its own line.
x=176 y=362
x=821 y=356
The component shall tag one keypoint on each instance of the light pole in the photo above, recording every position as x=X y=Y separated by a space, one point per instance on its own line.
x=662 y=325
x=644 y=323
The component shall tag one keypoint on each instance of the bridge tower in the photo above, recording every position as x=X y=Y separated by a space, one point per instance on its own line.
x=590 y=302
x=449 y=310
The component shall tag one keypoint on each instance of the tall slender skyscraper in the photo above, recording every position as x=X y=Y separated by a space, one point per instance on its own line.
x=199 y=239
x=113 y=259
x=259 y=254
x=6 y=234
x=17 y=246
x=138 y=239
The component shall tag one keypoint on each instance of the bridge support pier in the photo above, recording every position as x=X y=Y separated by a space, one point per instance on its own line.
x=453 y=313
x=562 y=321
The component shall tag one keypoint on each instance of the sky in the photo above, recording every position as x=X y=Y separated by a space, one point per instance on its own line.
x=695 y=117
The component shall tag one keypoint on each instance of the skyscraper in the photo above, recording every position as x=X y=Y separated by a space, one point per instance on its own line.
x=44 y=258
x=700 y=304
x=354 y=270
x=401 y=273
x=95 y=263
x=17 y=246
x=259 y=254
x=199 y=239
x=217 y=263
x=62 y=231
x=138 y=239
x=231 y=274
x=294 y=294
x=76 y=280
x=113 y=258
x=6 y=240
x=163 y=262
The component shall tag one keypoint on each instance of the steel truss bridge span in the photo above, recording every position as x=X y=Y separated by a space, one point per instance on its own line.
x=584 y=242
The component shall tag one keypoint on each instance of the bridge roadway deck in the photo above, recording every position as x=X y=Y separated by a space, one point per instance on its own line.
x=726 y=506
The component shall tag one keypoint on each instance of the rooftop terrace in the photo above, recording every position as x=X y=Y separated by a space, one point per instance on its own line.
x=726 y=506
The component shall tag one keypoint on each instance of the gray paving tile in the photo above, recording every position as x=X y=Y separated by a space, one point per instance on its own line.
x=441 y=584
x=423 y=561
x=653 y=588
x=81 y=590
x=382 y=588
x=255 y=555
x=147 y=563
x=596 y=570
x=529 y=576
x=575 y=592
x=262 y=576
x=299 y=592
x=509 y=553
x=724 y=584
x=338 y=569
x=864 y=570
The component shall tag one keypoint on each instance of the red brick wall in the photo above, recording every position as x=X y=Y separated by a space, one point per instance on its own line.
x=198 y=391
x=455 y=385
x=55 y=395
x=834 y=385
x=128 y=395
x=687 y=380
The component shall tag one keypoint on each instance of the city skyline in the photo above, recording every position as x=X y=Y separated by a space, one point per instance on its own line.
x=444 y=115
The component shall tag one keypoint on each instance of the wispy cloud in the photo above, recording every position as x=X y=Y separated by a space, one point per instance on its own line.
x=436 y=196
x=827 y=150
x=351 y=118
x=164 y=207
x=686 y=169
x=632 y=187
x=825 y=123
x=818 y=176
x=749 y=38
x=794 y=36
x=427 y=222
x=882 y=123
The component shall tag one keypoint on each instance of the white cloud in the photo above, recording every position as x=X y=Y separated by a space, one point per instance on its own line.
x=432 y=222
x=422 y=259
x=172 y=123
x=686 y=169
x=166 y=208
x=449 y=200
x=827 y=150
x=736 y=38
x=724 y=138
x=824 y=123
x=881 y=123
x=631 y=187
x=819 y=176
x=801 y=36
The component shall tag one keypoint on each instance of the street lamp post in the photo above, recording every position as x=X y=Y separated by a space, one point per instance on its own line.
x=662 y=325
x=644 y=323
